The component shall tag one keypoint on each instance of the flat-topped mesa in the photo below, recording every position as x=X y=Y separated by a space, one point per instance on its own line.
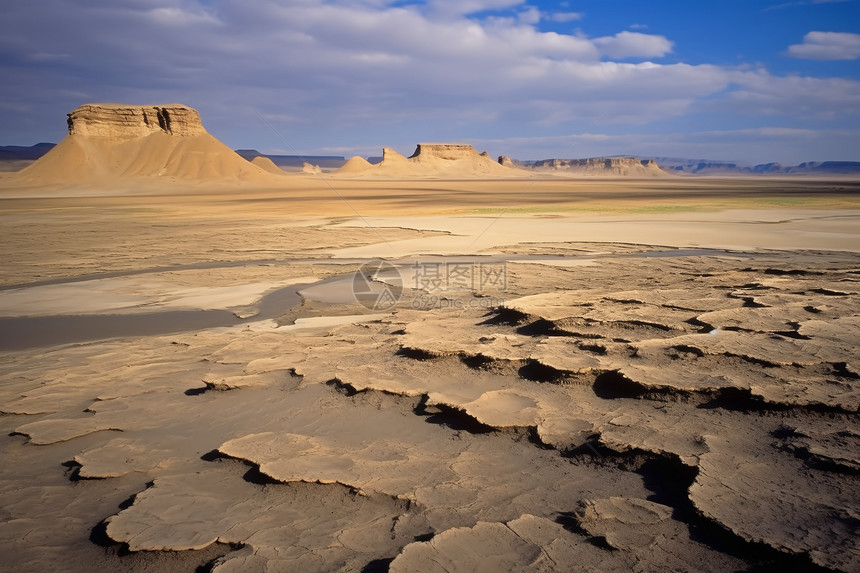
x=129 y=121
x=621 y=166
x=449 y=151
x=110 y=143
x=596 y=162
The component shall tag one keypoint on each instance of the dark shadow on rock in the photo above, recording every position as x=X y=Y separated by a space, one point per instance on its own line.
x=477 y=361
x=670 y=481
x=598 y=349
x=611 y=385
x=450 y=417
x=704 y=327
x=255 y=476
x=342 y=387
x=73 y=470
x=99 y=536
x=569 y=520
x=507 y=317
x=378 y=566
x=415 y=353
x=790 y=272
x=539 y=372
x=828 y=292
x=213 y=456
x=541 y=327
x=735 y=399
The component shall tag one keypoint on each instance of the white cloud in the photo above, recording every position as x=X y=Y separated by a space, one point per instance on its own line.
x=827 y=46
x=802 y=3
x=176 y=16
x=530 y=15
x=565 y=16
x=465 y=7
x=634 y=44
x=759 y=93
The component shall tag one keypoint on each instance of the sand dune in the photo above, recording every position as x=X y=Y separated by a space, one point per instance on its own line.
x=267 y=164
x=355 y=165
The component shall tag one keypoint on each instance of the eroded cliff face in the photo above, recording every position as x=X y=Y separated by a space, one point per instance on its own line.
x=129 y=121
x=597 y=163
x=449 y=151
x=622 y=166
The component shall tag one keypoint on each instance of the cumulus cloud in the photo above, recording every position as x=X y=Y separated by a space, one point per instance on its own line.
x=802 y=3
x=462 y=7
x=530 y=15
x=633 y=45
x=758 y=93
x=565 y=16
x=827 y=46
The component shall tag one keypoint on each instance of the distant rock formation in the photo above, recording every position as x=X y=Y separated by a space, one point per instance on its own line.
x=111 y=143
x=431 y=160
x=708 y=167
x=506 y=161
x=812 y=167
x=610 y=166
x=24 y=153
x=455 y=159
x=312 y=169
x=598 y=166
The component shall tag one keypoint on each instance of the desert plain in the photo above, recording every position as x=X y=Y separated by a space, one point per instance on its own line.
x=611 y=374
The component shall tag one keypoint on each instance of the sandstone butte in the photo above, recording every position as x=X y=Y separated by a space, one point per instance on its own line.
x=110 y=143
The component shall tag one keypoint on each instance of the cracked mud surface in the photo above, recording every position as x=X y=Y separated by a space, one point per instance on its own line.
x=640 y=413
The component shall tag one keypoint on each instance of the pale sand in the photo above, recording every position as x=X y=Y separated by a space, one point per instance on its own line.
x=150 y=294
x=609 y=407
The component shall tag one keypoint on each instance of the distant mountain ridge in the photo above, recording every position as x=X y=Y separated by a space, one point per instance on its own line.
x=21 y=152
x=330 y=161
x=710 y=167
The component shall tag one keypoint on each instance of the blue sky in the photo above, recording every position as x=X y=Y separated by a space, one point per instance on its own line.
x=741 y=80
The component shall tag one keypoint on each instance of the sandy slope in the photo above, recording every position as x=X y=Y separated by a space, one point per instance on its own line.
x=268 y=165
x=112 y=160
